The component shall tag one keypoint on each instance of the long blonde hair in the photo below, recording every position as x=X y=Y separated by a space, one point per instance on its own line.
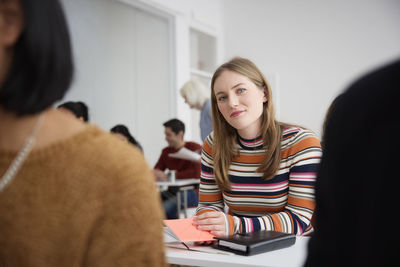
x=224 y=147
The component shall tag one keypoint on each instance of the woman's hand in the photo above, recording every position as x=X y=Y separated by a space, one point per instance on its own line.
x=212 y=221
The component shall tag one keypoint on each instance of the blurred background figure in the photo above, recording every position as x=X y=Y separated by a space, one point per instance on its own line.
x=197 y=96
x=174 y=130
x=122 y=132
x=78 y=109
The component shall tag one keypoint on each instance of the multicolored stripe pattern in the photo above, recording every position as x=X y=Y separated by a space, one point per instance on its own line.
x=284 y=203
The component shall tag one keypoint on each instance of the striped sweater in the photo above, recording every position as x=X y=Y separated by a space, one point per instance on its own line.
x=284 y=203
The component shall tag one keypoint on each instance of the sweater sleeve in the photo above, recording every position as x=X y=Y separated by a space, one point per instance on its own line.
x=160 y=165
x=131 y=223
x=210 y=196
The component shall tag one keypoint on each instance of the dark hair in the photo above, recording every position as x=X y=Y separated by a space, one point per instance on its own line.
x=122 y=129
x=175 y=125
x=79 y=109
x=41 y=70
x=328 y=114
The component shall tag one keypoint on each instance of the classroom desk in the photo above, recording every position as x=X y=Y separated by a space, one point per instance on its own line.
x=293 y=256
x=183 y=185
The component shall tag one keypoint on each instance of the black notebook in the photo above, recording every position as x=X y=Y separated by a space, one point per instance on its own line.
x=255 y=242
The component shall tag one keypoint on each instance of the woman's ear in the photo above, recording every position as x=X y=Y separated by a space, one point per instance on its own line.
x=265 y=98
x=11 y=22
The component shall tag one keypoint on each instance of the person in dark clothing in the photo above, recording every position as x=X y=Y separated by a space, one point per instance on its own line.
x=356 y=198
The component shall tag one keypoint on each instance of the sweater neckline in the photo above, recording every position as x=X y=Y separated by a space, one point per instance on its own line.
x=250 y=144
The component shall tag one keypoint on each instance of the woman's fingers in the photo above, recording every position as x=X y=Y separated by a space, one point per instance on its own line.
x=211 y=217
x=209 y=214
x=211 y=227
x=209 y=221
x=212 y=221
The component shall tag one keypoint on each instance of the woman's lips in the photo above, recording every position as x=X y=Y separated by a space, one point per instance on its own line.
x=236 y=113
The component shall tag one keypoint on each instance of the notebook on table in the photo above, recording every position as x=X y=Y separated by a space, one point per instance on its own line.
x=255 y=242
x=182 y=234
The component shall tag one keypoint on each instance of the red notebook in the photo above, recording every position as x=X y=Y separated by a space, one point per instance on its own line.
x=185 y=231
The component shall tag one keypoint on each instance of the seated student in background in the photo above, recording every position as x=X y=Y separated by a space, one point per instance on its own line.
x=185 y=169
x=356 y=221
x=78 y=109
x=122 y=132
x=197 y=96
x=262 y=169
x=69 y=192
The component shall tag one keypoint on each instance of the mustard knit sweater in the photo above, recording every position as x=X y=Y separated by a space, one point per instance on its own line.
x=89 y=200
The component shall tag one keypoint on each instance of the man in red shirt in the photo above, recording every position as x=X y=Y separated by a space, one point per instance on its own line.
x=185 y=169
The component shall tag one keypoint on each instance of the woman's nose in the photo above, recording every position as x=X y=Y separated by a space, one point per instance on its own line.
x=233 y=101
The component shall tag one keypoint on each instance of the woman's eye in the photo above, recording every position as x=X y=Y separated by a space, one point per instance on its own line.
x=240 y=90
x=221 y=98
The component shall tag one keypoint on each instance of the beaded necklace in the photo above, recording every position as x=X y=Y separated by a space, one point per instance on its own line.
x=21 y=156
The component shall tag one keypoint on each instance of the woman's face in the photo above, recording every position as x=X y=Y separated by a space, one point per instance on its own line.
x=2 y=46
x=189 y=102
x=11 y=24
x=240 y=102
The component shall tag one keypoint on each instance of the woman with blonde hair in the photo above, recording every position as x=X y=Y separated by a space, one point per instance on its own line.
x=259 y=169
x=196 y=96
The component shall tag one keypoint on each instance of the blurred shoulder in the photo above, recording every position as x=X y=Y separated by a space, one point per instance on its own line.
x=377 y=88
x=192 y=145
x=106 y=145
x=109 y=157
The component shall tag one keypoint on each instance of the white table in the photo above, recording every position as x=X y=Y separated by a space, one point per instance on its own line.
x=178 y=182
x=293 y=256
x=183 y=185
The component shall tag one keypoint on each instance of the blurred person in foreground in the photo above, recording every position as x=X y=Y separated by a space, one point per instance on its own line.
x=69 y=193
x=356 y=198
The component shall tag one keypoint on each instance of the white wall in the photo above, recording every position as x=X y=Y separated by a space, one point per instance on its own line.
x=316 y=47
